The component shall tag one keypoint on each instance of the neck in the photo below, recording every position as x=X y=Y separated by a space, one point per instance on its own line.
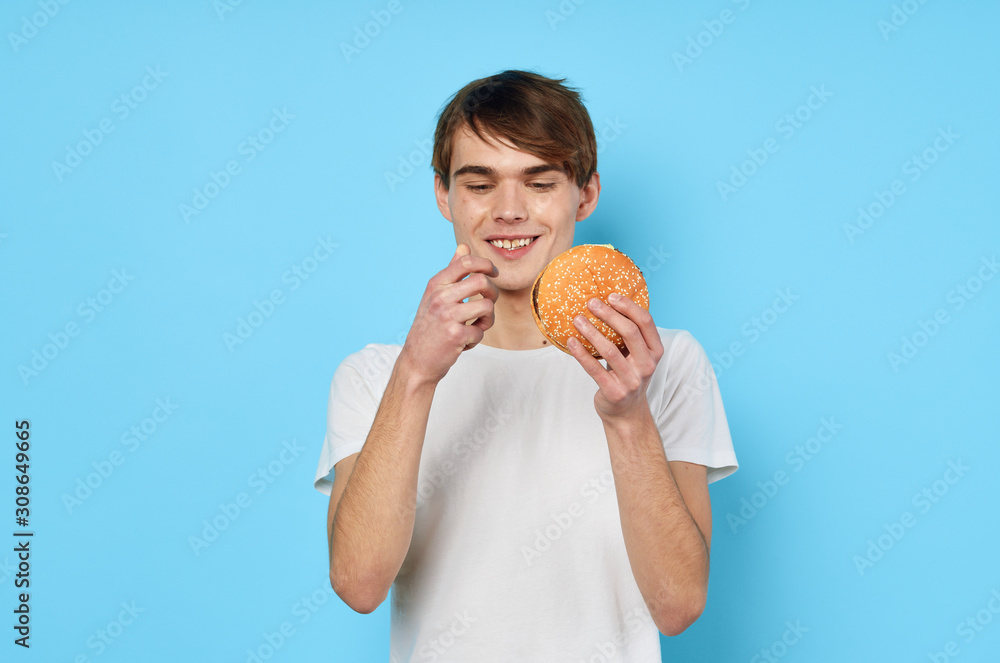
x=514 y=326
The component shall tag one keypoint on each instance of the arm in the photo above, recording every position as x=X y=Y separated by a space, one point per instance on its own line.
x=343 y=470
x=373 y=502
x=666 y=522
x=664 y=507
x=370 y=528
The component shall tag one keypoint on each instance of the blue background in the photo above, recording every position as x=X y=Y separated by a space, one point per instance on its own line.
x=674 y=130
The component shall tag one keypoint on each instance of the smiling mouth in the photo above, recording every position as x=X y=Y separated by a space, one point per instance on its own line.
x=511 y=245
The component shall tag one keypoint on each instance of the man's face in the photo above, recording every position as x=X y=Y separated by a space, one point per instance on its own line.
x=500 y=192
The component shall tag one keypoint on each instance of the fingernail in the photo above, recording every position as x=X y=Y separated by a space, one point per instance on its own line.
x=614 y=298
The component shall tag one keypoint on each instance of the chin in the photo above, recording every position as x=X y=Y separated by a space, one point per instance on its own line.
x=513 y=285
x=514 y=279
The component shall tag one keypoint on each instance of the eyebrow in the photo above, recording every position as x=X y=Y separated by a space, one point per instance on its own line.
x=491 y=172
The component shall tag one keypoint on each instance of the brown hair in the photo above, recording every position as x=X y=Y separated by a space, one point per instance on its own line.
x=536 y=114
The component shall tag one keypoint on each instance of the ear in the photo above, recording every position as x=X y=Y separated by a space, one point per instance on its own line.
x=588 y=197
x=441 y=197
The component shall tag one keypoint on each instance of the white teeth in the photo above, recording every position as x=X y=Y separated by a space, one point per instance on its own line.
x=511 y=244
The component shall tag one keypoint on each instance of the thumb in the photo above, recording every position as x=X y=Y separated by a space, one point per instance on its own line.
x=462 y=250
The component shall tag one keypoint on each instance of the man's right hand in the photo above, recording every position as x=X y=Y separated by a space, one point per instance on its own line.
x=440 y=332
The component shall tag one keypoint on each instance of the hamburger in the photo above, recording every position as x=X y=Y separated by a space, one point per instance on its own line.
x=572 y=279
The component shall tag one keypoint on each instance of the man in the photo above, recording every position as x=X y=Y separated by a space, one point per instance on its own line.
x=523 y=503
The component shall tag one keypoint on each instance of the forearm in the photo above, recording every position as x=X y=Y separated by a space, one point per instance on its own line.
x=373 y=524
x=666 y=550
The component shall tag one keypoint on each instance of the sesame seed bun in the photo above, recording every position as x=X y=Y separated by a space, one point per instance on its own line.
x=573 y=278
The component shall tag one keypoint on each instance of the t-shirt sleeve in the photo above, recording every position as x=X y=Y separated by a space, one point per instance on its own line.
x=350 y=412
x=689 y=412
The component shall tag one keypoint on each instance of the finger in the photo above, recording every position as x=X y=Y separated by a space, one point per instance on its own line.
x=488 y=290
x=463 y=265
x=589 y=362
x=478 y=313
x=472 y=336
x=643 y=320
x=474 y=340
x=610 y=352
x=464 y=250
x=474 y=284
x=635 y=343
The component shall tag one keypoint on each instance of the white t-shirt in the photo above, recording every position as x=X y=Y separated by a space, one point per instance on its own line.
x=517 y=551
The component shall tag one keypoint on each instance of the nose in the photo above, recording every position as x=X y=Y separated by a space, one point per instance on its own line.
x=509 y=205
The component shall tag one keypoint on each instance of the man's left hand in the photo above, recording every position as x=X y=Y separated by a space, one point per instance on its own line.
x=622 y=385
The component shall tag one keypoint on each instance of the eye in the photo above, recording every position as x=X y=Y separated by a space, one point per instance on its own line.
x=543 y=185
x=477 y=187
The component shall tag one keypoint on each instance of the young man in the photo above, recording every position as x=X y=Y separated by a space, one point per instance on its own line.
x=523 y=503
